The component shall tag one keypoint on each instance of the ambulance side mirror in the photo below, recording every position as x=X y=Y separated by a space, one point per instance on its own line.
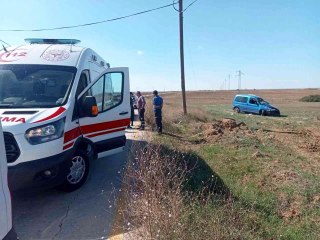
x=89 y=107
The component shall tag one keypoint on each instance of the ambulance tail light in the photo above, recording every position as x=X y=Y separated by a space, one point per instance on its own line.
x=45 y=133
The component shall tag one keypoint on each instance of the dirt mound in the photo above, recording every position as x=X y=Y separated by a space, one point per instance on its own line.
x=289 y=208
x=285 y=176
x=219 y=128
x=229 y=123
x=312 y=146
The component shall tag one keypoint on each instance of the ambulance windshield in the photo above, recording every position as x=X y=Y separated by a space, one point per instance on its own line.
x=34 y=86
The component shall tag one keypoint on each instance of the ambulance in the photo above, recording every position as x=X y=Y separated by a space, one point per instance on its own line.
x=6 y=230
x=61 y=105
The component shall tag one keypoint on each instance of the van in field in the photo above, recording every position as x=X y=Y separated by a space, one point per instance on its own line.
x=6 y=230
x=249 y=103
x=61 y=105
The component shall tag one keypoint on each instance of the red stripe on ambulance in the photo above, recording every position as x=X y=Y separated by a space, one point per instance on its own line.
x=105 y=132
x=105 y=126
x=55 y=114
x=96 y=129
x=69 y=145
x=72 y=134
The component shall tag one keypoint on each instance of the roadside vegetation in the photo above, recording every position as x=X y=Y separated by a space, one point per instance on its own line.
x=311 y=98
x=215 y=174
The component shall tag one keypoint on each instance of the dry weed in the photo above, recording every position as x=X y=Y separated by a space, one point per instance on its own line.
x=161 y=206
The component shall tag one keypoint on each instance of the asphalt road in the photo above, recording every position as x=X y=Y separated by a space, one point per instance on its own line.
x=83 y=214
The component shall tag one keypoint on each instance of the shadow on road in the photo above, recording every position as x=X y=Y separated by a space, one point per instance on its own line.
x=84 y=214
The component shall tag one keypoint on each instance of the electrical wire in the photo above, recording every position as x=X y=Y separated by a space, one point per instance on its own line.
x=173 y=5
x=5 y=43
x=88 y=24
x=190 y=5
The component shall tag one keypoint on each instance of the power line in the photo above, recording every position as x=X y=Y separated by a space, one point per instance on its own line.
x=88 y=24
x=239 y=74
x=5 y=43
x=190 y=5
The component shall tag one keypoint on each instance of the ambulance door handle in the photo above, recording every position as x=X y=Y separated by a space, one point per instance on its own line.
x=123 y=113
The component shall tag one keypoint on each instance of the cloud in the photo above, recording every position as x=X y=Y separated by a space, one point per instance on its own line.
x=140 y=53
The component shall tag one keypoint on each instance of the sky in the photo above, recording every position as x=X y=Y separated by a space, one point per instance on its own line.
x=275 y=43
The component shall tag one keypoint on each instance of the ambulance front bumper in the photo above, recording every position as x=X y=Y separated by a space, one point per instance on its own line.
x=42 y=173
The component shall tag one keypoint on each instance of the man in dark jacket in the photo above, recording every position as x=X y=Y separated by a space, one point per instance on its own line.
x=157 y=109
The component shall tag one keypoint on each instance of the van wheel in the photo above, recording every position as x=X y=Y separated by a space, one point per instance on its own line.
x=77 y=173
x=236 y=109
x=262 y=112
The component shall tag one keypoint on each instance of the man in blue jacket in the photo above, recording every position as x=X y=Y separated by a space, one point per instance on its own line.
x=157 y=109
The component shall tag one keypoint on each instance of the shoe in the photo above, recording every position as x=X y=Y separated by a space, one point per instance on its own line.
x=129 y=127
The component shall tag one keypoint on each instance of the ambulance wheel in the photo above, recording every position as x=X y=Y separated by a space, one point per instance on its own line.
x=77 y=173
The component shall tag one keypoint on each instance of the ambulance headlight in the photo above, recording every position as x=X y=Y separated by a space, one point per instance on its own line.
x=45 y=133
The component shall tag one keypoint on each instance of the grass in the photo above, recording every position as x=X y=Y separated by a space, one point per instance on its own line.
x=256 y=184
x=311 y=98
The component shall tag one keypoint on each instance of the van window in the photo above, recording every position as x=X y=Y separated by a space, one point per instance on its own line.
x=113 y=93
x=34 y=86
x=241 y=99
x=253 y=101
x=108 y=91
x=238 y=99
x=97 y=91
x=83 y=83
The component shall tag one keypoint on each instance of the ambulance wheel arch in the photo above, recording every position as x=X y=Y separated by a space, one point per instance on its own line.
x=84 y=152
x=78 y=171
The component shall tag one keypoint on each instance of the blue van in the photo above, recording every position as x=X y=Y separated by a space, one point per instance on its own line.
x=249 y=103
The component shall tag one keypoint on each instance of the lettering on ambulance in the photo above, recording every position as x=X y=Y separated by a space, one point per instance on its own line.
x=12 y=119
x=13 y=56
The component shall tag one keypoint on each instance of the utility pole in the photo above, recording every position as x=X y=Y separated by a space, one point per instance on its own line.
x=229 y=81
x=239 y=74
x=183 y=86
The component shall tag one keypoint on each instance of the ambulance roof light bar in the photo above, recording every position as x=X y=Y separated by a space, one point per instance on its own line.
x=51 y=41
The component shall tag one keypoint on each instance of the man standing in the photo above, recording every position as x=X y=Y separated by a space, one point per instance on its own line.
x=157 y=109
x=141 y=108
x=132 y=101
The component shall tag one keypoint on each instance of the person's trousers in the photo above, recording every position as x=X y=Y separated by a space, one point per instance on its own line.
x=158 y=119
x=141 y=117
x=132 y=116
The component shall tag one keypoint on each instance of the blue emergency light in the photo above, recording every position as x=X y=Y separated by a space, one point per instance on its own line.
x=51 y=41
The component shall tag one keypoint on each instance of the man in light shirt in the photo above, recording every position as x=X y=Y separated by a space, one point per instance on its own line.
x=141 y=103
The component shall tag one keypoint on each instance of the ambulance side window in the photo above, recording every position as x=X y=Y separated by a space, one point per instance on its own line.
x=108 y=91
x=97 y=91
x=113 y=91
x=83 y=83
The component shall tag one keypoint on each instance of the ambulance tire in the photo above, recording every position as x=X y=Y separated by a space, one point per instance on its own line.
x=78 y=172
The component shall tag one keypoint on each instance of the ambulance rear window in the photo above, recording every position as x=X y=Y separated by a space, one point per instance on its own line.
x=35 y=86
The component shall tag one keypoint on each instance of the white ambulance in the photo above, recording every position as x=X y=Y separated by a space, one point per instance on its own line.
x=61 y=105
x=6 y=230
